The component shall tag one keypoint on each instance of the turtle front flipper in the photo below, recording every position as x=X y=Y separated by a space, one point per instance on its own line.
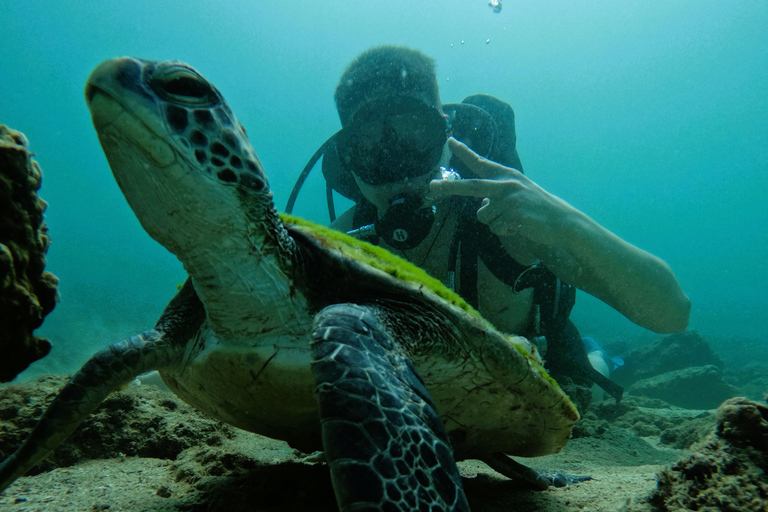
x=385 y=444
x=107 y=371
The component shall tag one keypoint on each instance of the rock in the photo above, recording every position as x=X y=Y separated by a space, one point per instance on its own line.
x=727 y=471
x=700 y=387
x=675 y=352
x=684 y=434
x=27 y=291
x=744 y=423
x=751 y=378
x=649 y=418
x=581 y=396
x=137 y=421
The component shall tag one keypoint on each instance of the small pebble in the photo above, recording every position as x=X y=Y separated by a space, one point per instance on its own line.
x=163 y=492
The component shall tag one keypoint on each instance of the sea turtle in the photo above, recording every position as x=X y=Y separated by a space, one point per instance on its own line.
x=294 y=331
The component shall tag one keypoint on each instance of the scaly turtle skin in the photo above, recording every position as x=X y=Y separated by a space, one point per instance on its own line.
x=294 y=331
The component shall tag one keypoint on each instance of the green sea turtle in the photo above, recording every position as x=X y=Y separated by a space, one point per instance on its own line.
x=295 y=331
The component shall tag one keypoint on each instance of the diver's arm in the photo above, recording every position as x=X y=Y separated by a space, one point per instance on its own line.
x=344 y=221
x=535 y=224
x=639 y=285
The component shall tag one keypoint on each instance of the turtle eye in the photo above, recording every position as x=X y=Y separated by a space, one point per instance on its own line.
x=183 y=86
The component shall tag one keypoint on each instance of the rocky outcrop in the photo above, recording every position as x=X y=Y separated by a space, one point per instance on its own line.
x=681 y=369
x=700 y=387
x=675 y=352
x=728 y=470
x=138 y=421
x=27 y=291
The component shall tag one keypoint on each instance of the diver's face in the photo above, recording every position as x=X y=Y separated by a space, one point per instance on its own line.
x=381 y=196
x=393 y=148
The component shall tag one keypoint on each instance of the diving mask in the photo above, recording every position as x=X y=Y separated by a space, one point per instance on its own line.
x=393 y=139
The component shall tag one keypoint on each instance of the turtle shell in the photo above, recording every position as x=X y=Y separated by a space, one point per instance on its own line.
x=490 y=388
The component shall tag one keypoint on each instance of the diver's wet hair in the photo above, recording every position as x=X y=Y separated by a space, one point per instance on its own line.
x=385 y=71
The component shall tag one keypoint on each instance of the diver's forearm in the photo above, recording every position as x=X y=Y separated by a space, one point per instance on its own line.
x=637 y=284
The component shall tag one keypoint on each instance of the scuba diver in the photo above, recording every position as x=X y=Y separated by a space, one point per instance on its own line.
x=442 y=186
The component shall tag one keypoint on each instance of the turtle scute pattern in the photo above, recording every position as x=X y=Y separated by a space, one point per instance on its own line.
x=209 y=134
x=385 y=443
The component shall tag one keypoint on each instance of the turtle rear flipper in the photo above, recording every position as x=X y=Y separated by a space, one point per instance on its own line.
x=107 y=371
x=529 y=477
x=385 y=444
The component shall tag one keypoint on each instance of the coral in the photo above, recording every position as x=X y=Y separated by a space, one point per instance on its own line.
x=728 y=470
x=27 y=292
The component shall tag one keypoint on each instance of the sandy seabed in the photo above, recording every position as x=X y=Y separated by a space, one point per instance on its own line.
x=145 y=450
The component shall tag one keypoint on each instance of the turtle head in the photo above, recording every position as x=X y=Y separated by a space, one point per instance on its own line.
x=178 y=153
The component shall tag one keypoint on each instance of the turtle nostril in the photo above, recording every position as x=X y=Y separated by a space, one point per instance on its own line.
x=90 y=92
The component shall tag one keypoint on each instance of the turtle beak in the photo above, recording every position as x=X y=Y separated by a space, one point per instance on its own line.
x=122 y=110
x=112 y=77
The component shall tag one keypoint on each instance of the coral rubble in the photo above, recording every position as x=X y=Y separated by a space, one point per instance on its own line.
x=727 y=471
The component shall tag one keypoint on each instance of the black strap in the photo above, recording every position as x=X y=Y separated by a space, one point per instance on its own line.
x=468 y=265
x=503 y=266
x=476 y=241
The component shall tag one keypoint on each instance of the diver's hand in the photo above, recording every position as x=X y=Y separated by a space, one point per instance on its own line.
x=573 y=246
x=512 y=204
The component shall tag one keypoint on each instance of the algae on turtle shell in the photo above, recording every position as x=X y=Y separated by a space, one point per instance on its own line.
x=27 y=292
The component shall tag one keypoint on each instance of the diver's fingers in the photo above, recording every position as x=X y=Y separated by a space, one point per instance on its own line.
x=487 y=213
x=499 y=219
x=474 y=188
x=481 y=166
x=478 y=188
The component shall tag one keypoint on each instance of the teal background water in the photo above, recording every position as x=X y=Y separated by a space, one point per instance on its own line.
x=652 y=117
